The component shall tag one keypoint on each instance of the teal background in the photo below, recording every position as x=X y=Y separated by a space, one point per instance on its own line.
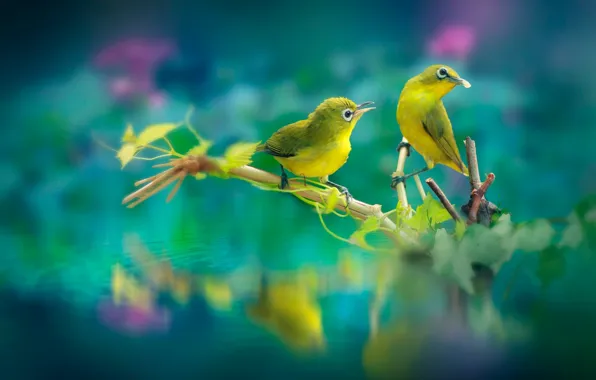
x=250 y=68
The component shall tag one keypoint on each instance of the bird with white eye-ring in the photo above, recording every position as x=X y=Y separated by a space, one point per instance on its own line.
x=319 y=145
x=423 y=120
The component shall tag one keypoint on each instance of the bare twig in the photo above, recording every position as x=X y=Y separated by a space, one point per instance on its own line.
x=443 y=198
x=472 y=163
x=399 y=171
x=419 y=187
x=477 y=198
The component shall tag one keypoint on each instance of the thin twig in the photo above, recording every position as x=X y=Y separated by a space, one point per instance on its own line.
x=477 y=196
x=443 y=198
x=399 y=171
x=472 y=163
x=419 y=187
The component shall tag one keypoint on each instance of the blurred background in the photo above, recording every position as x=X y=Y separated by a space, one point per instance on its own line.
x=93 y=290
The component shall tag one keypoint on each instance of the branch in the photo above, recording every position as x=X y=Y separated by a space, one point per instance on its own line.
x=477 y=197
x=399 y=171
x=419 y=187
x=472 y=163
x=443 y=198
x=195 y=165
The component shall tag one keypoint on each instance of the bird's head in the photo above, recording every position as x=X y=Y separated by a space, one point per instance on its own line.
x=340 y=112
x=441 y=79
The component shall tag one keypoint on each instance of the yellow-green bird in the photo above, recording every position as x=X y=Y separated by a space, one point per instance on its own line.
x=423 y=119
x=319 y=145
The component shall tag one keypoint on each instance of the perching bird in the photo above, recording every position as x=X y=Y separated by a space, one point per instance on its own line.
x=319 y=145
x=423 y=119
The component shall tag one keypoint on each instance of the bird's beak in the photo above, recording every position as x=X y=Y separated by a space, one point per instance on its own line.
x=460 y=81
x=360 y=111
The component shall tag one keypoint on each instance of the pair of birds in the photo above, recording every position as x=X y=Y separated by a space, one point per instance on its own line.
x=320 y=145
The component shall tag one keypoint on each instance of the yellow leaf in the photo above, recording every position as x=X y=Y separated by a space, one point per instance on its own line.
x=201 y=149
x=332 y=199
x=460 y=229
x=129 y=135
x=155 y=132
x=200 y=176
x=238 y=155
x=358 y=238
x=126 y=153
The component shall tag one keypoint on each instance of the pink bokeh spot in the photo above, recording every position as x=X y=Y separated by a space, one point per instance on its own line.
x=133 y=320
x=452 y=41
x=122 y=87
x=136 y=60
x=157 y=100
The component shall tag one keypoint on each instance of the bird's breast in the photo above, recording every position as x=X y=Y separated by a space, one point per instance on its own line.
x=319 y=161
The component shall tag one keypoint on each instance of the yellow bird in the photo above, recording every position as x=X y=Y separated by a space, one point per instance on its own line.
x=319 y=145
x=423 y=119
x=290 y=311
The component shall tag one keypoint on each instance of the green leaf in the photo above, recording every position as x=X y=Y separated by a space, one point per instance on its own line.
x=154 y=132
x=573 y=234
x=534 y=236
x=428 y=215
x=449 y=262
x=401 y=213
x=126 y=153
x=200 y=149
x=460 y=229
x=238 y=155
x=358 y=237
x=489 y=246
x=586 y=212
x=551 y=265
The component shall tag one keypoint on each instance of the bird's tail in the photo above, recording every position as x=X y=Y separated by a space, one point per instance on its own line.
x=458 y=167
x=464 y=170
x=261 y=148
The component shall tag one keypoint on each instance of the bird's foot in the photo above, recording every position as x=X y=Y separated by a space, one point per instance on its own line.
x=398 y=179
x=343 y=190
x=406 y=145
x=284 y=179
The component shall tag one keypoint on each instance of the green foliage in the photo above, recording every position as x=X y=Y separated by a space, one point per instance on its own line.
x=586 y=214
x=428 y=215
x=238 y=155
x=494 y=246
x=551 y=265
x=358 y=237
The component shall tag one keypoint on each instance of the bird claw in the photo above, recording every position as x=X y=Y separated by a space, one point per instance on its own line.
x=396 y=180
x=342 y=190
x=284 y=181
x=346 y=194
x=406 y=145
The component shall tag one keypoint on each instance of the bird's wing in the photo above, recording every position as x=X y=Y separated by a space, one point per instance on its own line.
x=287 y=141
x=436 y=123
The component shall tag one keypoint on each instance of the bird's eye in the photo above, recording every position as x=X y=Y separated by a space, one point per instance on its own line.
x=347 y=114
x=442 y=73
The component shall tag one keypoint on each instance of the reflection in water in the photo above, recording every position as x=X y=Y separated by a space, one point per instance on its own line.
x=412 y=312
x=289 y=309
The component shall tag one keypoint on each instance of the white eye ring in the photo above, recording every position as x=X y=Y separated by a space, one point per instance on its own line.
x=347 y=114
x=442 y=73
